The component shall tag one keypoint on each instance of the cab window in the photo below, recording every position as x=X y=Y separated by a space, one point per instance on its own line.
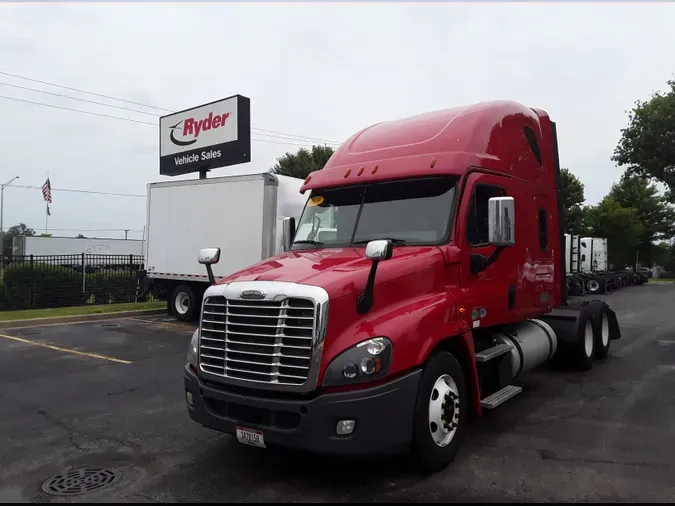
x=477 y=221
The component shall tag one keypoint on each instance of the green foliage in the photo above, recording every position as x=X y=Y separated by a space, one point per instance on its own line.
x=110 y=288
x=8 y=239
x=39 y=286
x=647 y=144
x=655 y=214
x=302 y=163
x=664 y=255
x=621 y=226
x=572 y=200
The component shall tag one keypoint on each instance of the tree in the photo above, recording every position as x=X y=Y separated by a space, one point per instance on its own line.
x=80 y=236
x=621 y=226
x=572 y=200
x=302 y=163
x=8 y=238
x=647 y=144
x=656 y=215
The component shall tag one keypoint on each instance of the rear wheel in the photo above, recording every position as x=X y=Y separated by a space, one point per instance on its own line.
x=184 y=303
x=602 y=338
x=584 y=348
x=441 y=412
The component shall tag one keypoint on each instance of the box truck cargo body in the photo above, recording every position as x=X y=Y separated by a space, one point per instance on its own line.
x=242 y=215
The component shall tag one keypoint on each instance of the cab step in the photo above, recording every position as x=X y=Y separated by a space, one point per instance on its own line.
x=500 y=397
x=494 y=352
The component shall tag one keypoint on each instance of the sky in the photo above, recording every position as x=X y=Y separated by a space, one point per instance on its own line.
x=320 y=70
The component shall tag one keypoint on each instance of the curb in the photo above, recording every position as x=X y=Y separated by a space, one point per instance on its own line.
x=32 y=322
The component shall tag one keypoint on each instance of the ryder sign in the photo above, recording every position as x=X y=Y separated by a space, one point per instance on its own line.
x=205 y=137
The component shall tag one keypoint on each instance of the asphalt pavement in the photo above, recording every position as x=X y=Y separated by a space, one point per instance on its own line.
x=110 y=395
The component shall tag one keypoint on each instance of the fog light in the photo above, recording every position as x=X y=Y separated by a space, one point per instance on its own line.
x=188 y=396
x=345 y=427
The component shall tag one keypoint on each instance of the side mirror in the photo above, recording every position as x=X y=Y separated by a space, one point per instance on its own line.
x=380 y=249
x=377 y=250
x=209 y=256
x=287 y=233
x=502 y=221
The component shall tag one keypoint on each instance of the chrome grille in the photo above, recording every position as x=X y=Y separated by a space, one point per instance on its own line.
x=267 y=341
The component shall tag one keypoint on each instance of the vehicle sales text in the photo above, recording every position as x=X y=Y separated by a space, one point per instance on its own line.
x=211 y=154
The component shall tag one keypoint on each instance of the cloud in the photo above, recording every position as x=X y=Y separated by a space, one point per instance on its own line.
x=312 y=69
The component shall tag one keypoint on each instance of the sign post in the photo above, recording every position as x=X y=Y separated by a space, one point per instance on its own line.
x=213 y=135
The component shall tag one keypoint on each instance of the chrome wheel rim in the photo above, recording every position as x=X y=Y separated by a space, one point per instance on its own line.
x=588 y=339
x=182 y=303
x=593 y=285
x=444 y=410
x=604 y=333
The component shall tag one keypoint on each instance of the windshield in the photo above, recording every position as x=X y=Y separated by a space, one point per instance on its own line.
x=412 y=212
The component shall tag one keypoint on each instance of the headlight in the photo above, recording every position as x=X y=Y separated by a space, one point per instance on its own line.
x=193 y=350
x=367 y=361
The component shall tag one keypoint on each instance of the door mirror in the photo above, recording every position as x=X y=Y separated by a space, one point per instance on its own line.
x=380 y=249
x=377 y=250
x=287 y=233
x=501 y=221
x=209 y=256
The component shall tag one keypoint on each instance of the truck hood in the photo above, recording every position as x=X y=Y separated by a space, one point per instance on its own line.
x=339 y=271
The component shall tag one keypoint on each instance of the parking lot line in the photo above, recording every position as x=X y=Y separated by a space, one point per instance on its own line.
x=65 y=350
x=156 y=322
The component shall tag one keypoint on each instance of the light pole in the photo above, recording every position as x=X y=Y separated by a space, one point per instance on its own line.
x=2 y=229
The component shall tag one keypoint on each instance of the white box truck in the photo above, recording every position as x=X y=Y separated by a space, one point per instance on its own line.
x=242 y=215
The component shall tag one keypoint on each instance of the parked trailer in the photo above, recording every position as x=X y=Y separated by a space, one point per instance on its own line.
x=240 y=214
x=425 y=278
x=39 y=246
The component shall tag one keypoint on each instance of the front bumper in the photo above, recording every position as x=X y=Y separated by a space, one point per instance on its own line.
x=384 y=416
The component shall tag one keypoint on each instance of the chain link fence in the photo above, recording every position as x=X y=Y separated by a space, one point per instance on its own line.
x=49 y=281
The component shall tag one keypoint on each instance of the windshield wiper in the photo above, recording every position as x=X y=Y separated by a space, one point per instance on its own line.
x=397 y=242
x=318 y=244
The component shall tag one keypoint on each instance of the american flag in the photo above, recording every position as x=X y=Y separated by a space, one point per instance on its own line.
x=47 y=191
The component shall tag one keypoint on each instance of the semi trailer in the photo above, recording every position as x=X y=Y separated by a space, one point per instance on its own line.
x=425 y=276
x=242 y=214
x=588 y=269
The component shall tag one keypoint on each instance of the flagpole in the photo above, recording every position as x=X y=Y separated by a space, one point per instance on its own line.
x=47 y=209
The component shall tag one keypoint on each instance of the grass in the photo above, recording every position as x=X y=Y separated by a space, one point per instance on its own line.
x=661 y=280
x=79 y=310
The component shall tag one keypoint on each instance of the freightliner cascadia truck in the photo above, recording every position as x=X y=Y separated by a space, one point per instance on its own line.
x=426 y=274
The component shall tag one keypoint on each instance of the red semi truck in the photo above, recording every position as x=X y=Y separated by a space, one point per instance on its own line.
x=425 y=275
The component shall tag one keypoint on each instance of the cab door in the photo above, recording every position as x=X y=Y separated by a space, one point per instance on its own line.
x=490 y=295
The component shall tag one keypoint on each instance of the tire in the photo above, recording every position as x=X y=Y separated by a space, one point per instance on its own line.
x=584 y=349
x=593 y=286
x=442 y=374
x=602 y=338
x=184 y=304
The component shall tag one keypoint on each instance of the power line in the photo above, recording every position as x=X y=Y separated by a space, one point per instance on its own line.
x=76 y=110
x=299 y=137
x=94 y=229
x=71 y=190
x=127 y=119
x=78 y=99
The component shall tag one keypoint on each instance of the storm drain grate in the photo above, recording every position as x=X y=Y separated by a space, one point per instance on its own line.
x=80 y=481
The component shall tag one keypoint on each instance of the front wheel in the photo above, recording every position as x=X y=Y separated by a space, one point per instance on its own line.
x=441 y=412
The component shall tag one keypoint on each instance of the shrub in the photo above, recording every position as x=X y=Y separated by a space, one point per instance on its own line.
x=111 y=287
x=40 y=285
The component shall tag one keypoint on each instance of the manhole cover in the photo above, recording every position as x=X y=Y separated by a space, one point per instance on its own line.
x=80 y=481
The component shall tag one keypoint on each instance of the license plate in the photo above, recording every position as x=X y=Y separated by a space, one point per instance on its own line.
x=250 y=437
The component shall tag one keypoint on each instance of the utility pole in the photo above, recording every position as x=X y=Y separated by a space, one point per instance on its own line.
x=126 y=231
x=2 y=229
